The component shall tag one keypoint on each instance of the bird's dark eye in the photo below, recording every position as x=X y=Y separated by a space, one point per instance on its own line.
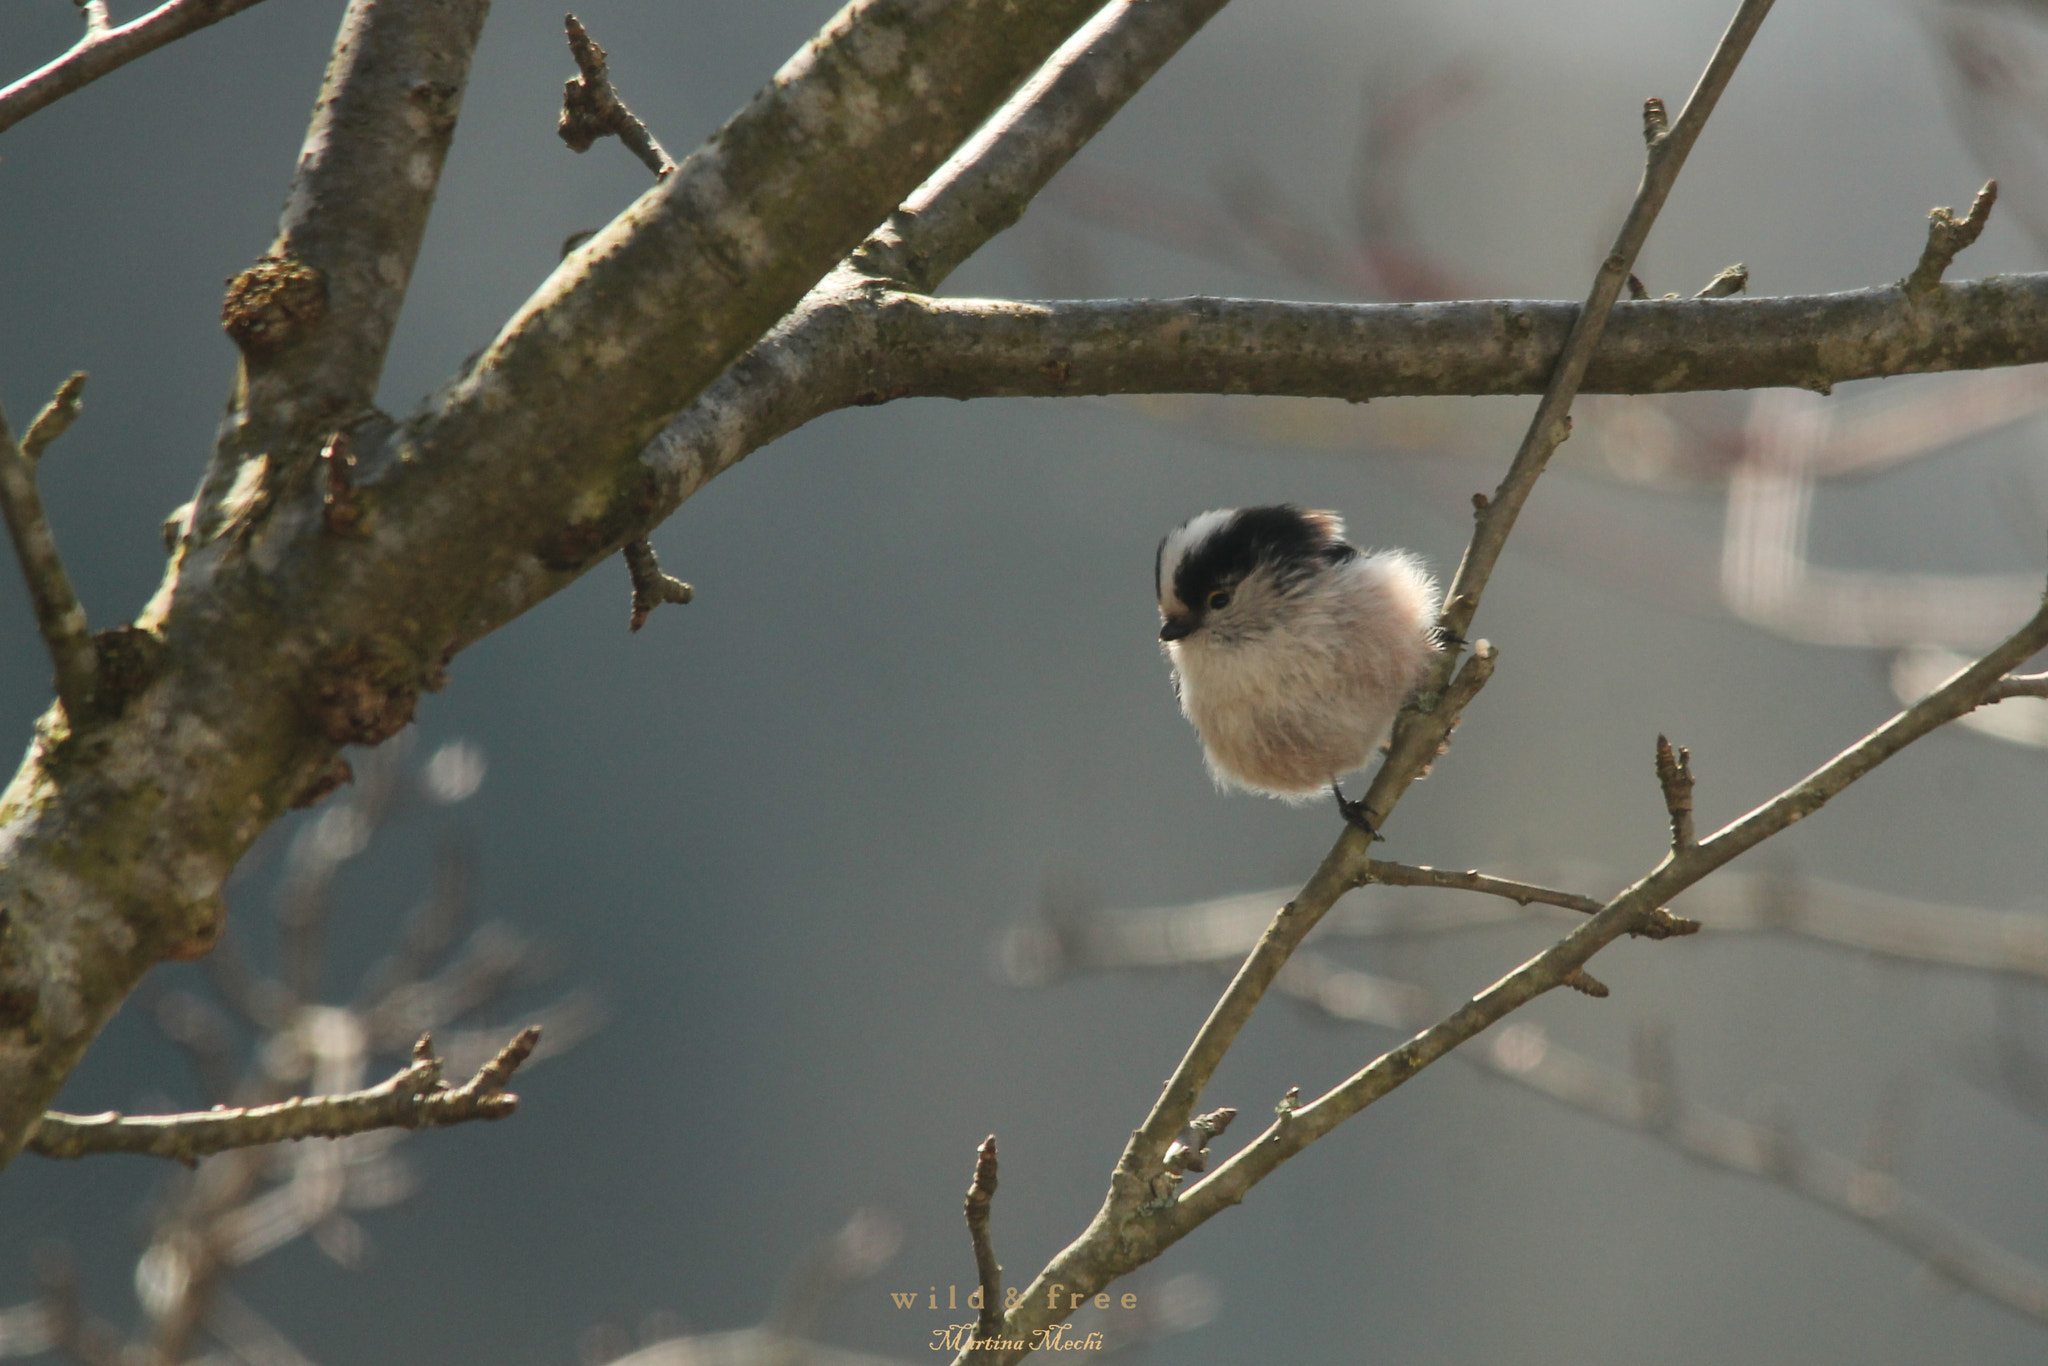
x=1218 y=600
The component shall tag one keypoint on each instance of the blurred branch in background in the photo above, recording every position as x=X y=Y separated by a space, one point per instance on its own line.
x=1069 y=936
x=440 y=975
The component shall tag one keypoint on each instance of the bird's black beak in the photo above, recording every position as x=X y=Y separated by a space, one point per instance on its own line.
x=1176 y=628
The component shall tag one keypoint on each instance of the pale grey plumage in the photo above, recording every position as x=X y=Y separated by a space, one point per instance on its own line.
x=1292 y=651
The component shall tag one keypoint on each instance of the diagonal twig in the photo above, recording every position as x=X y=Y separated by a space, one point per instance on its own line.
x=56 y=417
x=1679 y=870
x=105 y=49
x=415 y=1097
x=1421 y=733
x=59 y=616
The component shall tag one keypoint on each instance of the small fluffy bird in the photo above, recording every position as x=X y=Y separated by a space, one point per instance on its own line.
x=1292 y=651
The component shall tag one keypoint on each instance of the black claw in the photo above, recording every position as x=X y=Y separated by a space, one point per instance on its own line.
x=1354 y=813
x=1443 y=637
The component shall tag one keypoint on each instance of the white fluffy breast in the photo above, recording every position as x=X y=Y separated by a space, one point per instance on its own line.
x=1289 y=708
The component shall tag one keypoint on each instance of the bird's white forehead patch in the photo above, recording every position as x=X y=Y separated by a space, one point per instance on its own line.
x=1179 y=543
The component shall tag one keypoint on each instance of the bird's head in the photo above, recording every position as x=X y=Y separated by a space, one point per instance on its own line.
x=1230 y=574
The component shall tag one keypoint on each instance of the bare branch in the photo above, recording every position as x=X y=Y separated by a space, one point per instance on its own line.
x=591 y=107
x=1550 y=968
x=1668 y=150
x=651 y=587
x=56 y=417
x=1521 y=893
x=981 y=1195
x=1947 y=236
x=1674 y=775
x=314 y=316
x=1661 y=924
x=2019 y=685
x=802 y=368
x=59 y=616
x=413 y=1098
x=105 y=49
x=905 y=346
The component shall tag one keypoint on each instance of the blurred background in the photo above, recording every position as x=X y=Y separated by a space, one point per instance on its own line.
x=799 y=867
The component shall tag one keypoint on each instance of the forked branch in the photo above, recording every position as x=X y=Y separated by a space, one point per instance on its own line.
x=1947 y=236
x=592 y=109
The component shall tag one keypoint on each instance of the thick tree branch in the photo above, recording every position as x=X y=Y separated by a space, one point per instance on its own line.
x=59 y=616
x=105 y=49
x=415 y=1097
x=810 y=363
x=909 y=346
x=274 y=639
x=314 y=316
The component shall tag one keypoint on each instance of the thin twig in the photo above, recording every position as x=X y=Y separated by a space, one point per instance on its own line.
x=1732 y=280
x=55 y=418
x=106 y=49
x=97 y=20
x=981 y=1194
x=1947 y=236
x=1674 y=776
x=2019 y=685
x=412 y=1098
x=58 y=614
x=1422 y=733
x=651 y=587
x=1679 y=870
x=1662 y=925
x=591 y=107
x=1342 y=870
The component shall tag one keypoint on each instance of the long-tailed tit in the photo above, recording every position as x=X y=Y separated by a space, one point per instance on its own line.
x=1292 y=651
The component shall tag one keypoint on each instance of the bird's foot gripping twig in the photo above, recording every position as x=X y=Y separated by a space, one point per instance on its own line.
x=1354 y=813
